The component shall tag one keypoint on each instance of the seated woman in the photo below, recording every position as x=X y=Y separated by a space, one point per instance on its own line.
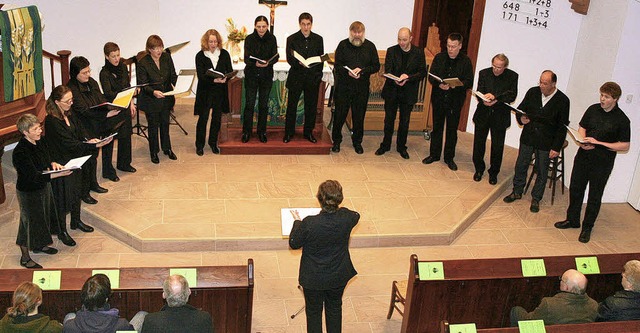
x=33 y=189
x=157 y=71
x=23 y=314
x=96 y=316
x=66 y=141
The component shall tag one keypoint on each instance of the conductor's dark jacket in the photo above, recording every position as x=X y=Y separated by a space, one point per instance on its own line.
x=324 y=239
x=416 y=68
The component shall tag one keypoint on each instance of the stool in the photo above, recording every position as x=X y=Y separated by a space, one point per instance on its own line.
x=556 y=171
x=398 y=293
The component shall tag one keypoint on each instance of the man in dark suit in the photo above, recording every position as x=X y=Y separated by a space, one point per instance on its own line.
x=407 y=63
x=499 y=85
x=447 y=100
x=302 y=78
x=177 y=316
x=543 y=134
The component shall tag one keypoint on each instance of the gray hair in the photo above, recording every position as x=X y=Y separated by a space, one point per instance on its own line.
x=176 y=290
x=26 y=121
x=632 y=274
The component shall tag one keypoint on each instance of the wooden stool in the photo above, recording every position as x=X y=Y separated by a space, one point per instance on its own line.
x=556 y=171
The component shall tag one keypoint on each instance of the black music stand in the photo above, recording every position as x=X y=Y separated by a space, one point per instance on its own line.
x=139 y=129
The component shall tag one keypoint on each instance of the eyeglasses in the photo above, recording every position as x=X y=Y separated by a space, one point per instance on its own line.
x=86 y=72
x=68 y=102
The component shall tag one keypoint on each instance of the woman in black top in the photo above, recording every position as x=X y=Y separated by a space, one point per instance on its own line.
x=114 y=78
x=66 y=141
x=33 y=189
x=212 y=93
x=156 y=69
x=258 y=79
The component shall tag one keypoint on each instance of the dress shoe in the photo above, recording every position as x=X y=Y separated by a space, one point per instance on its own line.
x=199 y=151
x=493 y=180
x=566 y=224
x=128 y=169
x=171 y=155
x=113 y=178
x=263 y=137
x=99 y=189
x=88 y=199
x=512 y=197
x=155 y=159
x=311 y=138
x=245 y=137
x=30 y=264
x=66 y=239
x=286 y=138
x=452 y=165
x=358 y=149
x=46 y=249
x=585 y=236
x=404 y=154
x=335 y=148
x=381 y=151
x=535 y=206
x=477 y=176
x=429 y=159
x=215 y=149
x=81 y=226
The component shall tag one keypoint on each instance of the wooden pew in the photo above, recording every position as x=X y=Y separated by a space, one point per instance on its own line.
x=609 y=327
x=482 y=291
x=226 y=292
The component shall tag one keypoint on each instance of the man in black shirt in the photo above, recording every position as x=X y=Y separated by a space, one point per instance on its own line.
x=355 y=61
x=606 y=130
x=302 y=78
x=447 y=100
x=499 y=85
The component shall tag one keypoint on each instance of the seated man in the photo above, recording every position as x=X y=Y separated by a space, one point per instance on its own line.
x=570 y=306
x=625 y=304
x=96 y=315
x=177 y=315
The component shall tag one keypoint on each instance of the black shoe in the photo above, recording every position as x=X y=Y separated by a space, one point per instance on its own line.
x=66 y=239
x=113 y=178
x=381 y=151
x=493 y=180
x=263 y=137
x=512 y=197
x=199 y=151
x=585 y=236
x=99 y=189
x=215 y=149
x=477 y=176
x=82 y=226
x=452 y=165
x=45 y=249
x=171 y=155
x=535 y=206
x=358 y=149
x=245 y=137
x=429 y=159
x=128 y=169
x=311 y=138
x=88 y=199
x=404 y=154
x=154 y=158
x=30 y=264
x=566 y=224
x=335 y=148
x=287 y=138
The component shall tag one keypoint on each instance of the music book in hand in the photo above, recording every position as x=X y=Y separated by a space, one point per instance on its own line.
x=452 y=81
x=481 y=96
x=287 y=217
x=122 y=99
x=73 y=164
x=311 y=61
x=182 y=86
x=351 y=71
x=576 y=135
x=392 y=77
x=518 y=111
x=262 y=60
x=219 y=75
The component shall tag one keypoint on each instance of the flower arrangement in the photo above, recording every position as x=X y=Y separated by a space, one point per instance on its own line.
x=236 y=35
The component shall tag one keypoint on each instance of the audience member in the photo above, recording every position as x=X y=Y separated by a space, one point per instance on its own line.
x=23 y=314
x=624 y=304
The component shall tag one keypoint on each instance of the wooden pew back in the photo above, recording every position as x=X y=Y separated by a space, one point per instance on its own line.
x=609 y=327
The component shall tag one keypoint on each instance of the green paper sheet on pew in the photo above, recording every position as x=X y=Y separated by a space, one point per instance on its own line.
x=462 y=328
x=531 y=326
x=587 y=265
x=189 y=273
x=431 y=270
x=112 y=274
x=47 y=280
x=533 y=267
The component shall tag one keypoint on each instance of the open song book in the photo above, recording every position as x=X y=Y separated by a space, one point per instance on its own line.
x=287 y=217
x=122 y=99
x=481 y=96
x=576 y=135
x=262 y=60
x=219 y=75
x=182 y=87
x=73 y=164
x=311 y=61
x=392 y=77
x=452 y=81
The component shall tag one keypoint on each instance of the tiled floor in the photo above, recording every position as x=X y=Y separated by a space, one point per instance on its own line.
x=386 y=190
